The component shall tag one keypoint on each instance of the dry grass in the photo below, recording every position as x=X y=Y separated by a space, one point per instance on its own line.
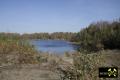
x=16 y=52
x=86 y=66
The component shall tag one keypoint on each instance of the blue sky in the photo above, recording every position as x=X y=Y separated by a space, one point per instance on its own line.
x=29 y=16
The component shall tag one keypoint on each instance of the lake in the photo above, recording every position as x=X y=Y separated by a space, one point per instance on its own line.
x=54 y=46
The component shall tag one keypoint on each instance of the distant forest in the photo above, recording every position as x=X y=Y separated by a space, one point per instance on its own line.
x=95 y=37
x=55 y=35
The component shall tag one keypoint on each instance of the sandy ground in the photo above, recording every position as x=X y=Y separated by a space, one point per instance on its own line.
x=27 y=73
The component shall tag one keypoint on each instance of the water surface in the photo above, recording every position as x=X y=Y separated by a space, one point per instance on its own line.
x=53 y=46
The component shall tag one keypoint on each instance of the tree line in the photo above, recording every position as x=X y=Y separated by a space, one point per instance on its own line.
x=56 y=35
x=99 y=35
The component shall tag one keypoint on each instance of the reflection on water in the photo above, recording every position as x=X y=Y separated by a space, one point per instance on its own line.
x=54 y=46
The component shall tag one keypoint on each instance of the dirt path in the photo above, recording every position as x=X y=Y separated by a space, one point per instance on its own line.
x=27 y=73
